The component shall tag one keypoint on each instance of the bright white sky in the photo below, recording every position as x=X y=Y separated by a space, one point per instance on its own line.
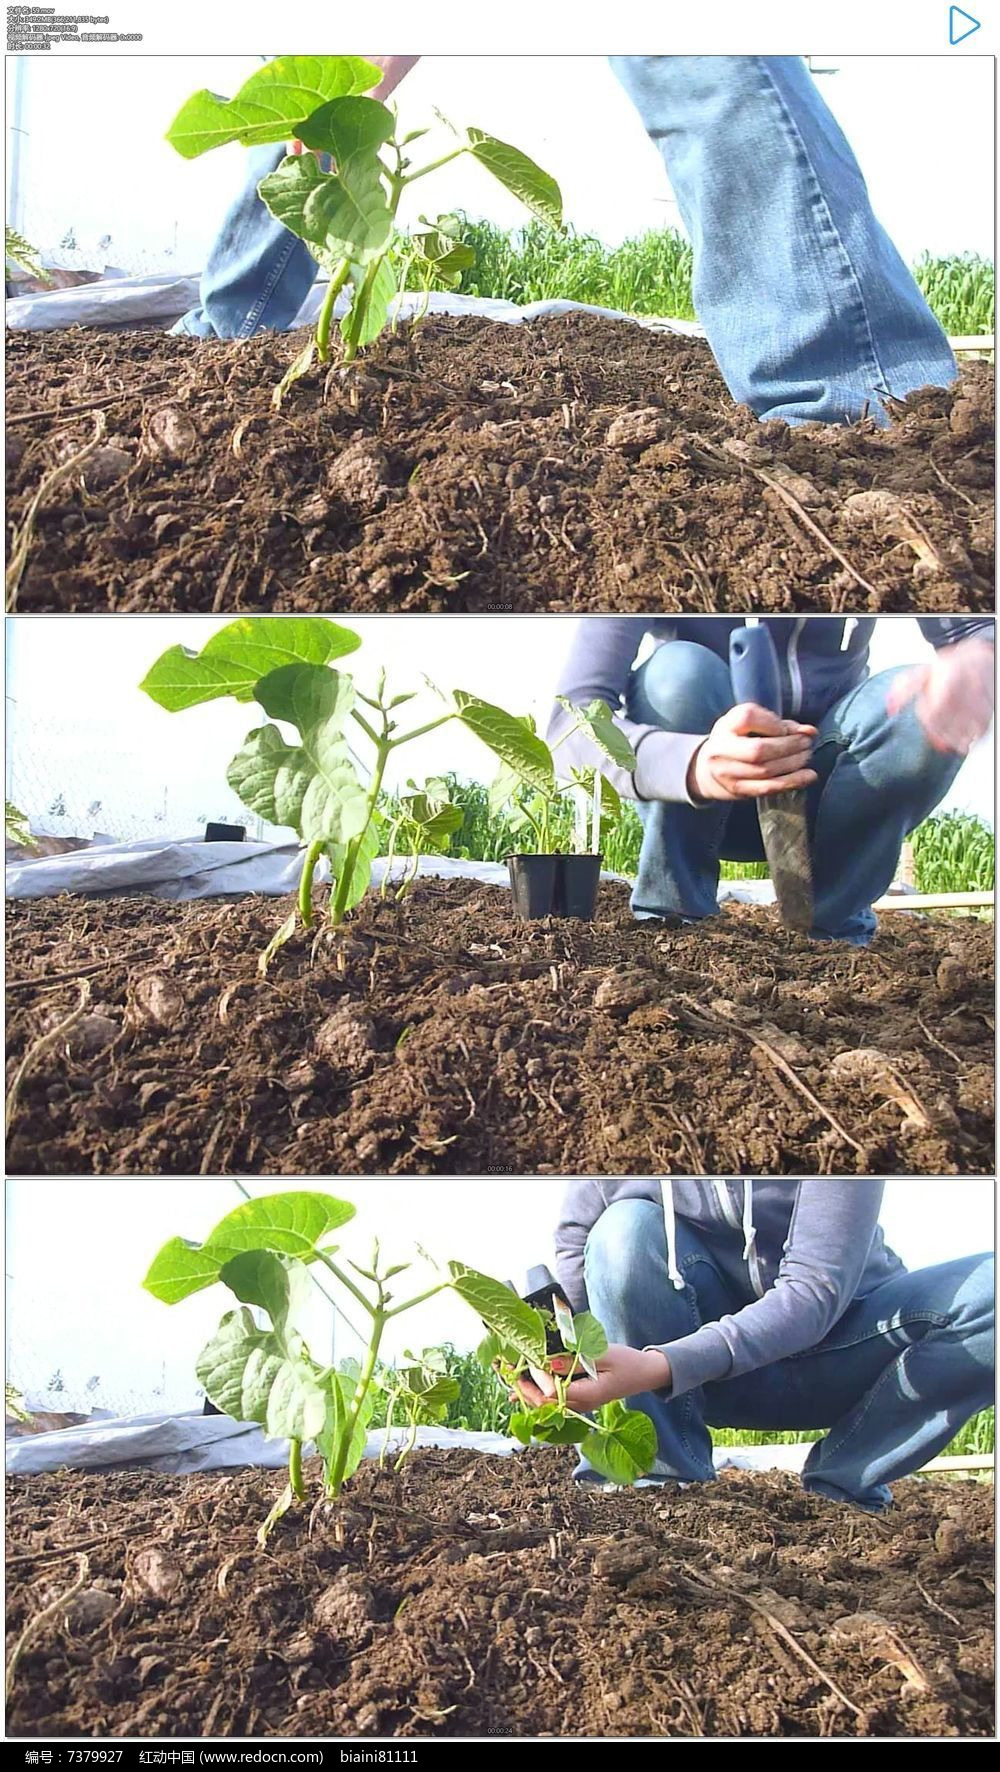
x=74 y=1302
x=93 y=157
x=79 y=727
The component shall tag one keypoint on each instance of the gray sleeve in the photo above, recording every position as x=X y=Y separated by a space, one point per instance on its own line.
x=582 y=1205
x=600 y=659
x=828 y=1243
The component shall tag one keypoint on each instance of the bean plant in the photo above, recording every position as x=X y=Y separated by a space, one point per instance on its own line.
x=263 y=1251
x=342 y=198
x=317 y=786
x=534 y=813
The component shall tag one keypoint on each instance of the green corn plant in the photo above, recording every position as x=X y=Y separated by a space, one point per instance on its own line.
x=953 y=852
x=315 y=785
x=346 y=215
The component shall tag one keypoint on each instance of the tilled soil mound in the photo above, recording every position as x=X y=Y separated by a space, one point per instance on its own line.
x=443 y=1036
x=566 y=464
x=487 y=1596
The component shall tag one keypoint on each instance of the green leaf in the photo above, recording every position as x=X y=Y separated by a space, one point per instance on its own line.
x=341 y=1388
x=251 y=1374
x=553 y=1427
x=279 y=1284
x=502 y=789
x=520 y=1427
x=623 y=1445
x=233 y=660
x=582 y=1335
x=286 y=191
x=365 y=855
x=312 y=787
x=493 y=1348
x=272 y=106
x=380 y=294
x=306 y=695
x=509 y=738
x=431 y=821
x=610 y=800
x=533 y=187
x=596 y=719
x=347 y=128
x=501 y=1310
x=289 y=1224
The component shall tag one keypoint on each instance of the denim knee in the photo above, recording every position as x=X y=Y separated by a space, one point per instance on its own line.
x=682 y=687
x=624 y=1241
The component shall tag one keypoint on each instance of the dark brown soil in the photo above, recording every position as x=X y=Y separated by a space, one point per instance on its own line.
x=487 y=1596
x=443 y=1036
x=568 y=464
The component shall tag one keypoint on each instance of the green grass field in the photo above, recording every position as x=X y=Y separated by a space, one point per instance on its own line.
x=652 y=274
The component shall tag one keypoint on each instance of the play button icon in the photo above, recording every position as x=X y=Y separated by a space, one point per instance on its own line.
x=960 y=24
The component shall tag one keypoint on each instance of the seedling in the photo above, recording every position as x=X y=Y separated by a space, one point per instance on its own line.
x=422 y=1392
x=425 y=820
x=263 y=1251
x=533 y=814
x=316 y=785
x=618 y=1442
x=342 y=198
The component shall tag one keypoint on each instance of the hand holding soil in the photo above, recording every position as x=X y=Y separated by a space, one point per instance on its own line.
x=952 y=695
x=751 y=753
x=621 y=1372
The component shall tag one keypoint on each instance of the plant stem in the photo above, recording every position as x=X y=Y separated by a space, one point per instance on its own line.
x=295 y=1482
x=313 y=854
x=410 y=178
x=420 y=731
x=353 y=848
x=345 y=1280
x=324 y=322
x=431 y=1292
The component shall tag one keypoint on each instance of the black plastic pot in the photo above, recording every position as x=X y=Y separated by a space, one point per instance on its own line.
x=532 y=884
x=577 y=880
x=225 y=833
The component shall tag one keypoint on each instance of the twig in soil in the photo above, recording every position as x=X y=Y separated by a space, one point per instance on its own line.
x=716 y=1021
x=152 y=387
x=34 y=1625
x=22 y=536
x=780 y=1630
x=803 y=515
x=922 y=1591
x=63 y=1550
x=939 y=1044
x=42 y=982
x=38 y=1050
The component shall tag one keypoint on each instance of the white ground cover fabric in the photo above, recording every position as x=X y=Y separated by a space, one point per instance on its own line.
x=183 y=1444
x=191 y=868
x=160 y=300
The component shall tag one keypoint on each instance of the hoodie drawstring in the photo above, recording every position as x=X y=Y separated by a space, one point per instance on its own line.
x=749 y=1228
x=674 y=1274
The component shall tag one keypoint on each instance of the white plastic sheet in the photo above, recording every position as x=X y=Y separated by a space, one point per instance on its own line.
x=181 y=1445
x=160 y=300
x=190 y=869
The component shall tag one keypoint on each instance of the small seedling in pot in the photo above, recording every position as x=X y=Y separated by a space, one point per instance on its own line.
x=554 y=1347
x=316 y=785
x=342 y=198
x=568 y=886
x=263 y=1252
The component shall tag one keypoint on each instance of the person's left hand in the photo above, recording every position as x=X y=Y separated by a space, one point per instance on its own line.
x=952 y=694
x=621 y=1372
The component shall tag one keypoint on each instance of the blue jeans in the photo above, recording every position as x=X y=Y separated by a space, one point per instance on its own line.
x=893 y=1381
x=878 y=777
x=809 y=309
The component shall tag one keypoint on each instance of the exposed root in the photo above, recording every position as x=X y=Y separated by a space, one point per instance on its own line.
x=38 y=1050
x=21 y=539
x=35 y=1625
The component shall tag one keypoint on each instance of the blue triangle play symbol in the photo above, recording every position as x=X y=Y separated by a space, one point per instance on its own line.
x=960 y=24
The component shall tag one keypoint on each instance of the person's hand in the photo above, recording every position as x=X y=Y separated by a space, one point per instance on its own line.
x=621 y=1372
x=952 y=695
x=749 y=753
x=393 y=69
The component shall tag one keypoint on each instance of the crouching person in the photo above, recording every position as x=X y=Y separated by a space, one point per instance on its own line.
x=775 y=1305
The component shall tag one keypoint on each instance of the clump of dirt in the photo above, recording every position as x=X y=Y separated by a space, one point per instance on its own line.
x=443 y=1036
x=567 y=464
x=487 y=1596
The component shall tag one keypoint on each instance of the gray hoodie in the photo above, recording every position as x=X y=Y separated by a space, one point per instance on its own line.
x=798 y=1252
